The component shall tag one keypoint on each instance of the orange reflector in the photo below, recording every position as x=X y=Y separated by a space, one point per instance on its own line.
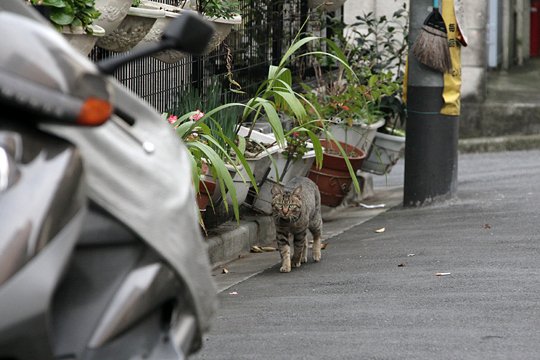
x=94 y=112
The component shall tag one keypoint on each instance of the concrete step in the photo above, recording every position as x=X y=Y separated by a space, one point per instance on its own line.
x=499 y=119
x=500 y=143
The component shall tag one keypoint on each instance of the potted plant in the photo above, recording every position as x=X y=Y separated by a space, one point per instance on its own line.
x=75 y=19
x=211 y=136
x=155 y=33
x=380 y=45
x=334 y=177
x=112 y=13
x=224 y=14
x=352 y=107
x=376 y=49
x=389 y=143
x=306 y=118
x=133 y=28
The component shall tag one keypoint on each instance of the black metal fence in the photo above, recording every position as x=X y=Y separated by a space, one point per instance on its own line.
x=268 y=27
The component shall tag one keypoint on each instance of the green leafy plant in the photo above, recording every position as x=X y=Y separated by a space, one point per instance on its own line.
x=218 y=8
x=277 y=94
x=353 y=102
x=72 y=13
x=210 y=137
x=379 y=45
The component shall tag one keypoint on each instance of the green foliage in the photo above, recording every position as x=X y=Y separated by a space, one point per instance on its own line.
x=70 y=12
x=296 y=145
x=354 y=102
x=219 y=8
x=222 y=124
x=380 y=45
x=207 y=125
x=377 y=43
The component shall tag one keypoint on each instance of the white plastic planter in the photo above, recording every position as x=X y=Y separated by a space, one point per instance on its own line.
x=359 y=135
x=259 y=164
x=385 y=153
x=241 y=184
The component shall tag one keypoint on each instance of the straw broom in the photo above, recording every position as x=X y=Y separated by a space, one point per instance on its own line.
x=431 y=45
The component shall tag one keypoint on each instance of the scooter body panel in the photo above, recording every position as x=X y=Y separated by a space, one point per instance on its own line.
x=41 y=216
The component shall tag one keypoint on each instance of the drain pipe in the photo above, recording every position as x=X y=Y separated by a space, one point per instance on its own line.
x=432 y=139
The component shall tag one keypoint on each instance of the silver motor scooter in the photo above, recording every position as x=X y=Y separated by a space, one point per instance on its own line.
x=101 y=256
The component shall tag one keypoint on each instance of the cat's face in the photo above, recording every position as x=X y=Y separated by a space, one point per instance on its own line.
x=286 y=205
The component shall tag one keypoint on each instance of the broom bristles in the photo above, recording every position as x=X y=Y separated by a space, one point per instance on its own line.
x=431 y=46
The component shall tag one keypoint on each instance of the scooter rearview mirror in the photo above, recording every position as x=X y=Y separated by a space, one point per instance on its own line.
x=188 y=33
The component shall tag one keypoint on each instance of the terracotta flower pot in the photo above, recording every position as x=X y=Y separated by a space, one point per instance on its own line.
x=332 y=158
x=333 y=184
x=334 y=179
x=206 y=190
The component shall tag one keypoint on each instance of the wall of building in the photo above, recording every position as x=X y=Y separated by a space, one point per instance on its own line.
x=474 y=56
x=352 y=8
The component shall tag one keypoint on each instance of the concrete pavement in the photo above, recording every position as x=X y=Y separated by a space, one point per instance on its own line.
x=378 y=296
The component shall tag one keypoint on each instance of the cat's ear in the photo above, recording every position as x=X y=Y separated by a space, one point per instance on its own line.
x=277 y=189
x=297 y=191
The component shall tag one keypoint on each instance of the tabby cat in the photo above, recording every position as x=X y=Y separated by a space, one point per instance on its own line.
x=296 y=207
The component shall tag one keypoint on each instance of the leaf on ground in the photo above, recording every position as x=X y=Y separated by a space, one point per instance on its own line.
x=225 y=271
x=323 y=246
x=401 y=265
x=256 y=249
x=233 y=293
x=487 y=226
x=380 y=231
x=442 y=274
x=268 y=248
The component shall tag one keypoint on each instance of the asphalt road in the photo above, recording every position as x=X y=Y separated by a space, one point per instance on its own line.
x=378 y=296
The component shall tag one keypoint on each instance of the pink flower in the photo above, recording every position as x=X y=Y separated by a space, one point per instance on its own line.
x=197 y=115
x=295 y=134
x=345 y=107
x=172 y=119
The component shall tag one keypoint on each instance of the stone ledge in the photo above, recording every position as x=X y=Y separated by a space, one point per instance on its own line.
x=500 y=143
x=230 y=239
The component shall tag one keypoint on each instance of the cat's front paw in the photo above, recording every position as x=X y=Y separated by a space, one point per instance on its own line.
x=297 y=264
x=285 y=269
x=316 y=251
